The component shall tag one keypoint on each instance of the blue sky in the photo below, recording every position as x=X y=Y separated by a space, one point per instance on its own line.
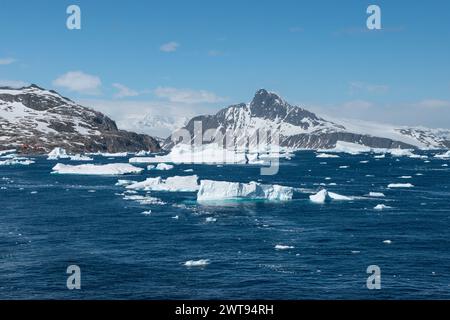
x=196 y=56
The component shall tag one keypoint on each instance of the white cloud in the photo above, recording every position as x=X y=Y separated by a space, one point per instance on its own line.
x=434 y=103
x=5 y=61
x=124 y=91
x=187 y=95
x=13 y=83
x=80 y=82
x=169 y=46
x=358 y=86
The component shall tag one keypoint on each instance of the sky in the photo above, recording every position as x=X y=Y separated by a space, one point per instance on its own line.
x=139 y=60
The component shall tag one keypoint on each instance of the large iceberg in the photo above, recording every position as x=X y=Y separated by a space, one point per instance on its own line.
x=91 y=169
x=173 y=184
x=355 y=149
x=211 y=190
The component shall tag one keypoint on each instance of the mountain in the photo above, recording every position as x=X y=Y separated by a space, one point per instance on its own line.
x=299 y=128
x=36 y=120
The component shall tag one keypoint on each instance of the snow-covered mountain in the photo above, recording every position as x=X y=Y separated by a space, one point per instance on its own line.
x=299 y=128
x=33 y=119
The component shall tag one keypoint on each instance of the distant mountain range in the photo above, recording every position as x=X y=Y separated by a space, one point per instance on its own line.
x=299 y=128
x=36 y=120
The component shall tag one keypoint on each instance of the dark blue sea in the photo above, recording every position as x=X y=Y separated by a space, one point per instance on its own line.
x=50 y=221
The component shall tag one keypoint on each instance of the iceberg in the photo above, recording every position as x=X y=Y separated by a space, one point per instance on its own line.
x=110 y=155
x=324 y=195
x=57 y=153
x=211 y=190
x=197 y=263
x=445 y=155
x=164 y=166
x=172 y=184
x=91 y=169
x=400 y=185
x=381 y=207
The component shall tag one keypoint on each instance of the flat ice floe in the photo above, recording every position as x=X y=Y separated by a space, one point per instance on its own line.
x=445 y=155
x=400 y=185
x=110 y=155
x=173 y=184
x=211 y=154
x=79 y=157
x=376 y=194
x=355 y=149
x=327 y=155
x=164 y=166
x=197 y=263
x=211 y=190
x=283 y=247
x=144 y=199
x=324 y=195
x=15 y=162
x=92 y=169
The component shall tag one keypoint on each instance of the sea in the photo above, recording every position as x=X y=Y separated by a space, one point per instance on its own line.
x=238 y=249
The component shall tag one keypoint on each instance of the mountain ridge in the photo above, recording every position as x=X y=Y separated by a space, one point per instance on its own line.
x=35 y=120
x=300 y=128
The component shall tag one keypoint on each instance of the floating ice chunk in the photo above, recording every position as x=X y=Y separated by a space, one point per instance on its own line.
x=79 y=157
x=124 y=182
x=57 y=153
x=405 y=177
x=164 y=166
x=173 y=184
x=143 y=153
x=381 y=207
x=343 y=167
x=210 y=219
x=319 y=197
x=445 y=155
x=445 y=165
x=150 y=167
x=197 y=263
x=350 y=148
x=387 y=241
x=400 y=185
x=91 y=169
x=381 y=156
x=144 y=199
x=327 y=155
x=364 y=161
x=283 y=247
x=112 y=155
x=3 y=152
x=211 y=190
x=15 y=162
x=323 y=195
x=147 y=212
x=376 y=194
x=189 y=170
